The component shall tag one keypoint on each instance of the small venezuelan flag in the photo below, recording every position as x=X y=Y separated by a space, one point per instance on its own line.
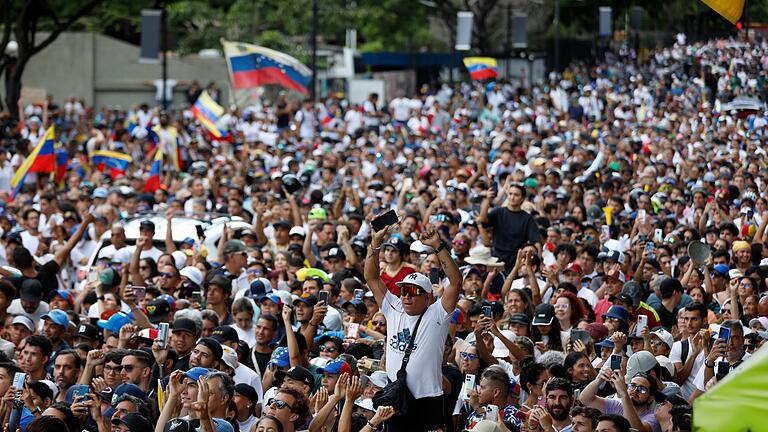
x=208 y=113
x=481 y=67
x=41 y=159
x=116 y=162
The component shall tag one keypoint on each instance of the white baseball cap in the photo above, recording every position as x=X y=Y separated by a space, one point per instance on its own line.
x=229 y=357
x=417 y=279
x=193 y=274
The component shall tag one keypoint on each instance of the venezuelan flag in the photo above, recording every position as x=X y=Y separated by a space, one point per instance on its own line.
x=153 y=181
x=174 y=150
x=116 y=162
x=481 y=67
x=732 y=10
x=255 y=66
x=41 y=159
x=208 y=113
x=62 y=161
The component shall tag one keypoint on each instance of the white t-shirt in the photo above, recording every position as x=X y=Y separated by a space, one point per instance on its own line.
x=169 y=85
x=246 y=335
x=16 y=309
x=246 y=375
x=688 y=386
x=588 y=295
x=699 y=380
x=400 y=108
x=425 y=376
x=30 y=242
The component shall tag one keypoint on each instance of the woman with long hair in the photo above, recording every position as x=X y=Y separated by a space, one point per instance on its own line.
x=545 y=332
x=569 y=310
x=579 y=370
x=518 y=302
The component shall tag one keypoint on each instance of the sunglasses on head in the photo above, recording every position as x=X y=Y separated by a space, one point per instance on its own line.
x=411 y=291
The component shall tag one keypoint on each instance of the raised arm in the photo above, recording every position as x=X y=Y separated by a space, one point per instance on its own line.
x=486 y=206
x=372 y=272
x=431 y=238
x=589 y=396
x=170 y=246
x=290 y=337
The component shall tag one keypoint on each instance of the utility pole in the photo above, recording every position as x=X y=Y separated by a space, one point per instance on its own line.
x=557 y=35
x=164 y=48
x=314 y=51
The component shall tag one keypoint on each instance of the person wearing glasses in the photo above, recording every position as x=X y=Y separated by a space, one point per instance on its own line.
x=290 y=407
x=635 y=397
x=424 y=370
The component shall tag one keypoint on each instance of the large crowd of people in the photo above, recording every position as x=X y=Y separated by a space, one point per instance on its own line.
x=586 y=253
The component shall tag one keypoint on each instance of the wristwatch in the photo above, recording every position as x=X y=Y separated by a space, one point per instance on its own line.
x=441 y=247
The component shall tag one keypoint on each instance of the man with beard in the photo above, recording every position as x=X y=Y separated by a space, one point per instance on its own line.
x=635 y=398
x=66 y=371
x=554 y=414
x=493 y=390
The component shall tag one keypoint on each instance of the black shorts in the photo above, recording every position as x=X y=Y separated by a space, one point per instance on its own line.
x=427 y=415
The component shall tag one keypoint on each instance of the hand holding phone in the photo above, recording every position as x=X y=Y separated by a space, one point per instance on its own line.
x=616 y=362
x=642 y=323
x=323 y=297
x=384 y=220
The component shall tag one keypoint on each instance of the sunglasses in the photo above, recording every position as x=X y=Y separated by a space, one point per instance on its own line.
x=166 y=274
x=143 y=267
x=128 y=368
x=411 y=291
x=279 y=404
x=327 y=349
x=640 y=389
x=458 y=242
x=468 y=356
x=379 y=322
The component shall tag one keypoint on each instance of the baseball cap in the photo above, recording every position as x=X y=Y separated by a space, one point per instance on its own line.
x=612 y=255
x=229 y=356
x=220 y=281
x=135 y=422
x=722 y=269
x=336 y=341
x=248 y=391
x=64 y=294
x=184 y=324
x=297 y=373
x=100 y=193
x=129 y=389
x=665 y=336
x=396 y=243
x=306 y=298
x=417 y=279
x=357 y=304
x=223 y=334
x=544 y=314
x=617 y=275
x=336 y=253
x=193 y=274
x=213 y=345
x=25 y=321
x=499 y=349
x=668 y=286
x=297 y=230
x=258 y=288
x=667 y=364
x=317 y=213
x=633 y=291
x=274 y=298
x=157 y=310
x=147 y=225
x=573 y=267
x=31 y=290
x=234 y=246
x=336 y=367
x=379 y=379
x=641 y=361
x=57 y=316
x=617 y=312
x=88 y=331
x=520 y=318
x=280 y=357
x=281 y=224
x=109 y=278
x=115 y=322
x=605 y=343
x=196 y=372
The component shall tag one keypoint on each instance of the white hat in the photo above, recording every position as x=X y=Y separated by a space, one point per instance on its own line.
x=420 y=247
x=54 y=388
x=499 y=349
x=229 y=357
x=486 y=426
x=193 y=274
x=417 y=279
x=25 y=321
x=379 y=379
x=665 y=336
x=297 y=230
x=482 y=255
x=666 y=363
x=366 y=404
x=179 y=259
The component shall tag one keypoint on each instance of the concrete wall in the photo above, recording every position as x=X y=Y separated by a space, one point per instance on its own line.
x=106 y=71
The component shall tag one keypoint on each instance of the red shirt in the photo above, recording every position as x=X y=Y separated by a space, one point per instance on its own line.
x=602 y=307
x=390 y=281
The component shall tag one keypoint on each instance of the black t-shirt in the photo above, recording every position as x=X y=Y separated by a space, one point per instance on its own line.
x=511 y=230
x=46 y=275
x=262 y=359
x=666 y=318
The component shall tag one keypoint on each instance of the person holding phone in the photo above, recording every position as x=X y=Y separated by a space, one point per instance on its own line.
x=424 y=370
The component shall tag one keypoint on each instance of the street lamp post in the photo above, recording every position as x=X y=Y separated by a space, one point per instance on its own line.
x=557 y=35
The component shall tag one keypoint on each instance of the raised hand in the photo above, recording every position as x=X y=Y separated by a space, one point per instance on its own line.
x=431 y=238
x=354 y=389
x=340 y=390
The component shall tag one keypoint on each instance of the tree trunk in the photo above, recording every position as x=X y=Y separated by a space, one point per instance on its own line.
x=13 y=85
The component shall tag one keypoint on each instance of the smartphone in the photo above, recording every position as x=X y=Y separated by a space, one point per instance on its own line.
x=162 y=335
x=81 y=390
x=722 y=369
x=581 y=335
x=642 y=323
x=383 y=220
x=641 y=216
x=606 y=231
x=725 y=334
x=197 y=297
x=323 y=297
x=615 y=361
x=491 y=412
x=139 y=292
x=375 y=365
x=649 y=247
x=18 y=380
x=487 y=311
x=358 y=294
x=200 y=232
x=434 y=276
x=658 y=235
x=353 y=331
x=495 y=186
x=469 y=384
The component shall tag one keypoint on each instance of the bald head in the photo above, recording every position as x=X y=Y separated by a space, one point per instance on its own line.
x=762 y=307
